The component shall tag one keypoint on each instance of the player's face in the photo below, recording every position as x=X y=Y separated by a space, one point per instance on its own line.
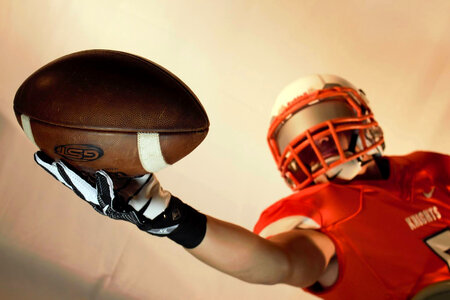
x=327 y=147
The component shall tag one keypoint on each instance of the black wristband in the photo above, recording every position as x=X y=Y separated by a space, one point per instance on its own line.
x=189 y=224
x=192 y=228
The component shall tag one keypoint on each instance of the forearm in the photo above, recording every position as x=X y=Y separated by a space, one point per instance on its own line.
x=242 y=254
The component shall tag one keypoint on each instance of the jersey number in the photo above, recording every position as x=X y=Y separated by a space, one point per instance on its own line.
x=440 y=244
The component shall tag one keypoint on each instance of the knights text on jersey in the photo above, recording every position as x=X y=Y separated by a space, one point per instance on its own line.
x=392 y=236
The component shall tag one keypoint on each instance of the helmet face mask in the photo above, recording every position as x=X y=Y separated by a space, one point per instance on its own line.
x=321 y=132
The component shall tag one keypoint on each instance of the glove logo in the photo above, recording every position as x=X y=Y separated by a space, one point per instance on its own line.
x=79 y=152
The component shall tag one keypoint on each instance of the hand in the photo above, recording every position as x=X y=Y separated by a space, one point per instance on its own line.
x=139 y=200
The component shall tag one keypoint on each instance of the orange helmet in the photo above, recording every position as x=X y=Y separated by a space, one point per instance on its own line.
x=321 y=127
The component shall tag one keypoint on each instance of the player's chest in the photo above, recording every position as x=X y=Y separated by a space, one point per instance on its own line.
x=393 y=236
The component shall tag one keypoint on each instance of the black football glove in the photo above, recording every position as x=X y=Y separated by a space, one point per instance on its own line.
x=139 y=200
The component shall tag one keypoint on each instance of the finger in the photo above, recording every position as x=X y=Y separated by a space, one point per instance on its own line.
x=49 y=165
x=105 y=188
x=152 y=200
x=43 y=157
x=77 y=183
x=127 y=191
x=132 y=187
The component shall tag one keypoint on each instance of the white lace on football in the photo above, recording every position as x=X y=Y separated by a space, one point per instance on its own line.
x=150 y=152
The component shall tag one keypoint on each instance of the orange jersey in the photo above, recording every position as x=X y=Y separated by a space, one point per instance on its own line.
x=392 y=236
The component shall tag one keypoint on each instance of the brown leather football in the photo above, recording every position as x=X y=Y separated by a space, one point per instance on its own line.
x=110 y=110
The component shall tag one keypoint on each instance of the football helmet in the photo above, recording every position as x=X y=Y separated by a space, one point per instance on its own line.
x=322 y=128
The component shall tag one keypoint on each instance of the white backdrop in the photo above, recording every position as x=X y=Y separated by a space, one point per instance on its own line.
x=236 y=56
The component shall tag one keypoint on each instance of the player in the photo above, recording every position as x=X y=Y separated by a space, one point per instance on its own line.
x=359 y=225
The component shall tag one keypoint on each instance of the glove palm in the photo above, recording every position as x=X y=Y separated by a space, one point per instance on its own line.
x=139 y=200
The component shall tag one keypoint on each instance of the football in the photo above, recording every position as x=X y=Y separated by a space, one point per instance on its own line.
x=110 y=110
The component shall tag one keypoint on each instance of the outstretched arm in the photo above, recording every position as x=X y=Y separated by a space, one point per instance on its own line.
x=297 y=257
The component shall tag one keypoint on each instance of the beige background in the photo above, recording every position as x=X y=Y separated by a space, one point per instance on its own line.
x=236 y=56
